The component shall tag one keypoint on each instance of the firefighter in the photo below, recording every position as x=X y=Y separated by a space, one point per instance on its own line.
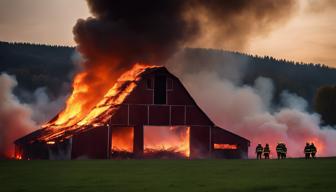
x=279 y=150
x=307 y=151
x=259 y=150
x=284 y=151
x=266 y=151
x=313 y=150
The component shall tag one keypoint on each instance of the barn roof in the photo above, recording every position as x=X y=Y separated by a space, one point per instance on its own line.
x=106 y=108
x=231 y=134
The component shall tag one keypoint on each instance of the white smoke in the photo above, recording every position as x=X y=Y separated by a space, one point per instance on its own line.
x=15 y=117
x=249 y=112
x=18 y=119
x=43 y=107
x=293 y=101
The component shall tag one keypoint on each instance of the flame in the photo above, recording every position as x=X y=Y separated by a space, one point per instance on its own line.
x=225 y=146
x=80 y=111
x=122 y=139
x=51 y=142
x=74 y=108
x=162 y=138
x=17 y=156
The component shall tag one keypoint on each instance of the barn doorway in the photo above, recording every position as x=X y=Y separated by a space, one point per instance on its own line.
x=122 y=142
x=166 y=141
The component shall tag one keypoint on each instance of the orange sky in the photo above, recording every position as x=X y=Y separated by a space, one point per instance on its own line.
x=309 y=36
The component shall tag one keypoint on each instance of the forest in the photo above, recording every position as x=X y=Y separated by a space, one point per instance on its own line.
x=53 y=67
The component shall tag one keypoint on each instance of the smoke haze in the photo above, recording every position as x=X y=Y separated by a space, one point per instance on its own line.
x=232 y=24
x=318 y=6
x=150 y=31
x=43 y=107
x=18 y=119
x=15 y=117
x=249 y=111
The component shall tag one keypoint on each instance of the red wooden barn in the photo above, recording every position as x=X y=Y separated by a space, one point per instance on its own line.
x=158 y=111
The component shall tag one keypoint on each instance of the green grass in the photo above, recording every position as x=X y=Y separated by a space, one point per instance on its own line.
x=169 y=175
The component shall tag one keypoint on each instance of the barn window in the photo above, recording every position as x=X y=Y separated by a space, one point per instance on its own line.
x=169 y=84
x=149 y=83
x=225 y=146
x=160 y=86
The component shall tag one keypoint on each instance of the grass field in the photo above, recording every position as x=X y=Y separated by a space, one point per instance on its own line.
x=169 y=175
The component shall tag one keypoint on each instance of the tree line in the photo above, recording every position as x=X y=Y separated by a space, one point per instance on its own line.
x=51 y=66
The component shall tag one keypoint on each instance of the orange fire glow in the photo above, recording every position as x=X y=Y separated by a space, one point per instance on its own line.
x=225 y=146
x=122 y=139
x=164 y=138
x=18 y=157
x=318 y=144
x=74 y=108
x=81 y=110
x=51 y=142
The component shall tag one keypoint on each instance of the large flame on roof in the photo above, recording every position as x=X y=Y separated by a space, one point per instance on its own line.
x=78 y=113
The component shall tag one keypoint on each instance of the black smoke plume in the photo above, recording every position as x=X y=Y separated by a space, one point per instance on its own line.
x=124 y=32
x=150 y=31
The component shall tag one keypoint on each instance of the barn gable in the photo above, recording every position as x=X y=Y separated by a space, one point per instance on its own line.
x=177 y=107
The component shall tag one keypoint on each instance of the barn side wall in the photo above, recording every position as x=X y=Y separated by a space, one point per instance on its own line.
x=36 y=150
x=60 y=150
x=221 y=136
x=92 y=144
x=200 y=142
x=138 y=140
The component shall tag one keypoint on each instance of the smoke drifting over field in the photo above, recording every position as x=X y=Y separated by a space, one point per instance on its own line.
x=18 y=119
x=43 y=107
x=248 y=110
x=15 y=118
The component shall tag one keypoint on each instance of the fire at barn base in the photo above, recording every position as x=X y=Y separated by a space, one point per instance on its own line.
x=147 y=114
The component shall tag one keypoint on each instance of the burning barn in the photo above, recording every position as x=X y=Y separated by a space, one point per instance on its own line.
x=147 y=113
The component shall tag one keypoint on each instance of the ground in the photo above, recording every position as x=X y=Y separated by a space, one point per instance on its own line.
x=169 y=175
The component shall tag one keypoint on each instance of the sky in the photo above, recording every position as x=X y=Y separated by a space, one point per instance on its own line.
x=308 y=36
